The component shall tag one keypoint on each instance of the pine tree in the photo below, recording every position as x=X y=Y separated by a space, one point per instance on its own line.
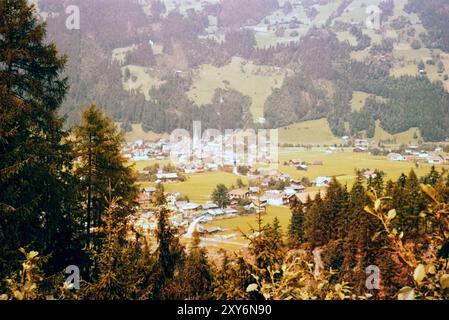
x=221 y=196
x=296 y=227
x=37 y=205
x=196 y=276
x=169 y=254
x=432 y=178
x=414 y=203
x=313 y=230
x=101 y=168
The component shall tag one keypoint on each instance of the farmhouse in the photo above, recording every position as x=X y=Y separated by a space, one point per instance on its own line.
x=215 y=212
x=208 y=230
x=274 y=197
x=256 y=206
x=254 y=189
x=304 y=197
x=361 y=144
x=230 y=211
x=167 y=177
x=149 y=190
x=322 y=181
x=209 y=205
x=239 y=194
x=424 y=155
x=435 y=160
x=395 y=157
x=297 y=187
x=294 y=162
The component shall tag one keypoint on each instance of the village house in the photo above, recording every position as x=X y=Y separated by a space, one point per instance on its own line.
x=275 y=197
x=305 y=196
x=361 y=144
x=239 y=194
x=411 y=157
x=190 y=209
x=435 y=160
x=317 y=163
x=289 y=191
x=231 y=212
x=395 y=157
x=209 y=206
x=322 y=181
x=149 y=190
x=256 y=206
x=297 y=187
x=295 y=162
x=254 y=190
x=167 y=177
x=208 y=230
x=214 y=212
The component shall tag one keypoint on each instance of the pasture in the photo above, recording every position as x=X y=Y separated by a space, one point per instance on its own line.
x=254 y=81
x=140 y=80
x=308 y=132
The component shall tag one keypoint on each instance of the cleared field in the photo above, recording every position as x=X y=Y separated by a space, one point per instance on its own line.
x=411 y=136
x=254 y=81
x=342 y=164
x=325 y=11
x=356 y=11
x=119 y=54
x=140 y=80
x=244 y=224
x=358 y=100
x=308 y=132
x=199 y=187
x=445 y=59
x=137 y=133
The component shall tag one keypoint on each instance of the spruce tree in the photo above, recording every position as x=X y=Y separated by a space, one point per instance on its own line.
x=296 y=227
x=196 y=276
x=101 y=167
x=221 y=196
x=169 y=254
x=37 y=205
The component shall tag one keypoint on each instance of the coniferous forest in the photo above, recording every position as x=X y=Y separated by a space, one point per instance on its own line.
x=67 y=195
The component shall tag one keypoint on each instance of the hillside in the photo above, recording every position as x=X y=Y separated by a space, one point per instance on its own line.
x=167 y=63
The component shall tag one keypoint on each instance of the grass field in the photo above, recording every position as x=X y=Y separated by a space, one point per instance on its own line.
x=358 y=100
x=140 y=80
x=343 y=164
x=407 y=137
x=308 y=132
x=254 y=81
x=356 y=11
x=198 y=187
x=137 y=133
x=240 y=225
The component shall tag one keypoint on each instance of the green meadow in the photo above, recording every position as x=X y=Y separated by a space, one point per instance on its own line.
x=252 y=80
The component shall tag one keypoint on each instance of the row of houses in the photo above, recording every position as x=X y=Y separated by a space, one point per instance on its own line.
x=142 y=150
x=423 y=156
